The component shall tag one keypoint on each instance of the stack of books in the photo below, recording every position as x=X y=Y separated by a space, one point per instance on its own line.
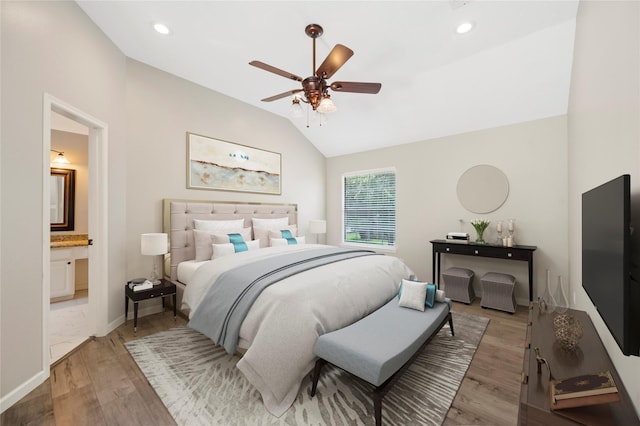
x=139 y=284
x=584 y=390
x=460 y=237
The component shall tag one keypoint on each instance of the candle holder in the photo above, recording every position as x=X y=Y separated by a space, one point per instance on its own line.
x=511 y=227
x=499 y=231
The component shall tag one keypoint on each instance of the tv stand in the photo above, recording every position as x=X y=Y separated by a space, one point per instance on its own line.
x=589 y=357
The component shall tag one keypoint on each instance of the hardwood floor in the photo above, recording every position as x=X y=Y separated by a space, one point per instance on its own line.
x=100 y=384
x=490 y=391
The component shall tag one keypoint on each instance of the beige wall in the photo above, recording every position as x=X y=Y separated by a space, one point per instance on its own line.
x=161 y=109
x=604 y=135
x=48 y=47
x=533 y=156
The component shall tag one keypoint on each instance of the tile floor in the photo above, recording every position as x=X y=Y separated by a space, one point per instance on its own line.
x=67 y=326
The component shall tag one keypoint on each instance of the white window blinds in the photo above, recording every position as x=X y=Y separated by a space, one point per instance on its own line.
x=369 y=208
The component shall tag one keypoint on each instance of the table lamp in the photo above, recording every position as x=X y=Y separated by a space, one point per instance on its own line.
x=317 y=227
x=154 y=245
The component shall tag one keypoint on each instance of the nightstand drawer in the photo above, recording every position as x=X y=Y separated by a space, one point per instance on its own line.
x=161 y=291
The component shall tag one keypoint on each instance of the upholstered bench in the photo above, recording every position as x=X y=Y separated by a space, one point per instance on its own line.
x=379 y=347
x=498 y=291
x=458 y=283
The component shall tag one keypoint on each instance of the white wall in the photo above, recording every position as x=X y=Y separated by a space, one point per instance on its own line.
x=533 y=156
x=604 y=135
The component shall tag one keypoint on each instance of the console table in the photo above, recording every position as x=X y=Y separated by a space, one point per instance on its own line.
x=523 y=253
x=590 y=356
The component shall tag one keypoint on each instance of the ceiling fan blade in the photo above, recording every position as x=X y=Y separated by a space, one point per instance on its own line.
x=355 y=87
x=281 y=95
x=275 y=70
x=336 y=58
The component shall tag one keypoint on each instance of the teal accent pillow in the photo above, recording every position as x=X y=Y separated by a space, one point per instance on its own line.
x=238 y=243
x=286 y=234
x=431 y=293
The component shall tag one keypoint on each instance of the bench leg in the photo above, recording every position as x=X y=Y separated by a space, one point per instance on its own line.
x=451 y=324
x=377 y=407
x=316 y=374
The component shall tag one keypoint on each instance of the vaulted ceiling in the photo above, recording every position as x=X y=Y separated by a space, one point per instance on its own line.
x=513 y=66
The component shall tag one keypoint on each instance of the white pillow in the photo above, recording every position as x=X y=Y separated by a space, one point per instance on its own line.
x=262 y=234
x=218 y=225
x=277 y=242
x=220 y=250
x=413 y=295
x=269 y=222
x=440 y=296
x=204 y=239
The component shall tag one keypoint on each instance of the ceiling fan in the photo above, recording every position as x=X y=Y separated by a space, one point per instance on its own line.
x=316 y=88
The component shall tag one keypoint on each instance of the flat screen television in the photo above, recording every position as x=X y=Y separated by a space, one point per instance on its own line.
x=606 y=261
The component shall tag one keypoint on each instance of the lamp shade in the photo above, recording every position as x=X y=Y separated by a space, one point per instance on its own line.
x=153 y=244
x=318 y=226
x=326 y=105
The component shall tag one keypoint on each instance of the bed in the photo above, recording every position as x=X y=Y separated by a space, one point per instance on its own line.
x=277 y=333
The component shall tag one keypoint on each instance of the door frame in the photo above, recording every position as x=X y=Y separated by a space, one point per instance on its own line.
x=98 y=219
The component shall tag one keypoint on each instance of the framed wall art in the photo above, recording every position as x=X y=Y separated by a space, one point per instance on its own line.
x=226 y=166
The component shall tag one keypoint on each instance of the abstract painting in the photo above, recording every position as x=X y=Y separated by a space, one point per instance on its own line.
x=226 y=166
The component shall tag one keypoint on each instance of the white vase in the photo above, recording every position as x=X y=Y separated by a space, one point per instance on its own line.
x=562 y=303
x=548 y=302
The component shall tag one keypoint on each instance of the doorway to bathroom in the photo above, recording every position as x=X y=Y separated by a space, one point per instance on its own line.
x=69 y=220
x=75 y=292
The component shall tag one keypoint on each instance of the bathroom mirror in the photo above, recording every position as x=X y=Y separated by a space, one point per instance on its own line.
x=483 y=189
x=62 y=199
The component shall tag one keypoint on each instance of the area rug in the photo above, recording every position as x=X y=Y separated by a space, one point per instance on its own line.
x=198 y=383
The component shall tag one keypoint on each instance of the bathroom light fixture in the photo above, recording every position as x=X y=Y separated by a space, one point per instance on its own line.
x=464 y=27
x=60 y=158
x=161 y=28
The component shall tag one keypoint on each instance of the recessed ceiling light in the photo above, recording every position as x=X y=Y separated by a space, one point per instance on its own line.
x=464 y=27
x=161 y=28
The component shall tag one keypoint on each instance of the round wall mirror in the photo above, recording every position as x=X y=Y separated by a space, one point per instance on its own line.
x=483 y=189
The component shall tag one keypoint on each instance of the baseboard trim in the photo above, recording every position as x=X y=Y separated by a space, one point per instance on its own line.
x=23 y=390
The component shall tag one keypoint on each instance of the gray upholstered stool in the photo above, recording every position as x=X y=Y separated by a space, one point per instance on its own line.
x=458 y=284
x=498 y=291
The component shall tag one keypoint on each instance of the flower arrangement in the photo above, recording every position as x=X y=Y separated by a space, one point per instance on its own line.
x=480 y=225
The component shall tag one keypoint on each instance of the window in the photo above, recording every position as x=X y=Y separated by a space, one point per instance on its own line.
x=369 y=208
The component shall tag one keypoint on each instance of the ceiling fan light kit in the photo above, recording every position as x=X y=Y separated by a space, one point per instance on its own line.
x=296 y=108
x=315 y=87
x=326 y=105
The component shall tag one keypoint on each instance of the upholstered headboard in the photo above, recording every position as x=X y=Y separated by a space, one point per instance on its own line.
x=179 y=215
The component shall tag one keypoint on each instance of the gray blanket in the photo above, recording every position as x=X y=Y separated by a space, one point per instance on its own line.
x=227 y=302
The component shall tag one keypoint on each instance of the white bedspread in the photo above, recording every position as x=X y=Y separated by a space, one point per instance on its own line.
x=280 y=330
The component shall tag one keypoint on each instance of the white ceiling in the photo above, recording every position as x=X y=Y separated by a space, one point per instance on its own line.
x=514 y=66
